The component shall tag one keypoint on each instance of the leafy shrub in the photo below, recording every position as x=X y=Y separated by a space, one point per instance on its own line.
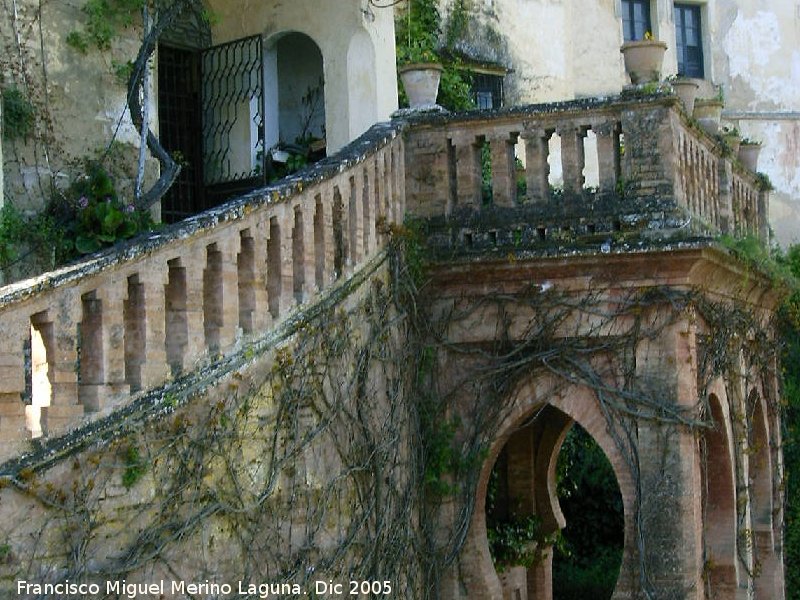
x=18 y=114
x=99 y=217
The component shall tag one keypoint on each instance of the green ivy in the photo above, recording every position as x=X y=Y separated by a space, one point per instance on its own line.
x=100 y=218
x=104 y=19
x=417 y=38
x=18 y=114
x=135 y=467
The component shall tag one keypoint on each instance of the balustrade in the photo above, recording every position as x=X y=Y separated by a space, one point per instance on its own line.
x=84 y=340
x=643 y=158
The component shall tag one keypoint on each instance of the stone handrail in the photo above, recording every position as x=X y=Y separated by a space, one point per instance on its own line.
x=82 y=341
x=653 y=168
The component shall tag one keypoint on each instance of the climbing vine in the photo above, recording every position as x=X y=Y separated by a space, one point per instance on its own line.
x=344 y=453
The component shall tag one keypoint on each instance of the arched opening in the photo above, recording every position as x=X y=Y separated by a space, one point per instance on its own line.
x=548 y=453
x=294 y=100
x=719 y=505
x=767 y=559
x=586 y=563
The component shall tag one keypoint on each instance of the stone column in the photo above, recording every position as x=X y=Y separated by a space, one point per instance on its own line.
x=537 y=169
x=572 y=157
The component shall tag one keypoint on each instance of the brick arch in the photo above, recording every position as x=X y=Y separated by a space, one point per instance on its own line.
x=719 y=500
x=579 y=404
x=761 y=475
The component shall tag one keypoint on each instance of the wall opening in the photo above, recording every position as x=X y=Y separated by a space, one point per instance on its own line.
x=38 y=372
x=294 y=92
x=551 y=473
x=719 y=505
x=133 y=315
x=586 y=564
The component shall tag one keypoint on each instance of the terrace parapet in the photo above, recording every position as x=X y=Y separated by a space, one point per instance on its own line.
x=597 y=171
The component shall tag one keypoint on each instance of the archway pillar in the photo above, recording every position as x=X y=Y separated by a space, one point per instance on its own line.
x=669 y=465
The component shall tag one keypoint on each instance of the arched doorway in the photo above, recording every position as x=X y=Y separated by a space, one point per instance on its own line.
x=587 y=561
x=294 y=93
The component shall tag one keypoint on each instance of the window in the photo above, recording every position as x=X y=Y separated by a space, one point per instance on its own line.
x=635 y=19
x=487 y=90
x=688 y=40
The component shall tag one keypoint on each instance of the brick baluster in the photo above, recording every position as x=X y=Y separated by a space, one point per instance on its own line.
x=15 y=332
x=62 y=360
x=155 y=370
x=573 y=157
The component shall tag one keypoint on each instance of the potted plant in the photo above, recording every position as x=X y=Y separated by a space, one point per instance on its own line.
x=686 y=89
x=643 y=59
x=730 y=136
x=708 y=112
x=748 y=153
x=418 y=62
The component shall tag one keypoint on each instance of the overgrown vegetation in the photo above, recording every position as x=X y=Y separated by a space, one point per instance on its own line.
x=420 y=37
x=784 y=268
x=18 y=114
x=85 y=218
x=587 y=563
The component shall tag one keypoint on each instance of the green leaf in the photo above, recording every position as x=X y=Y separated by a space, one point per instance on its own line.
x=86 y=245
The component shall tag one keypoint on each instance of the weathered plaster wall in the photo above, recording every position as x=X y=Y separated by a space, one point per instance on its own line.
x=757 y=60
x=80 y=104
x=333 y=26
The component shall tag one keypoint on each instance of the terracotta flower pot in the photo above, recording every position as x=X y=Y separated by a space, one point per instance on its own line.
x=643 y=60
x=686 y=90
x=748 y=155
x=708 y=112
x=421 y=83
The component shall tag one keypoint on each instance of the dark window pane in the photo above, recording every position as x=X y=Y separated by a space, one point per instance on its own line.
x=635 y=19
x=688 y=40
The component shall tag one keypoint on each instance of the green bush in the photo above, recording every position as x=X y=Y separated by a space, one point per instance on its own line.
x=18 y=114
x=99 y=217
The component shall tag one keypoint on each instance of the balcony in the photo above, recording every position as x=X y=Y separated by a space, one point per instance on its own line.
x=657 y=178
x=109 y=338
